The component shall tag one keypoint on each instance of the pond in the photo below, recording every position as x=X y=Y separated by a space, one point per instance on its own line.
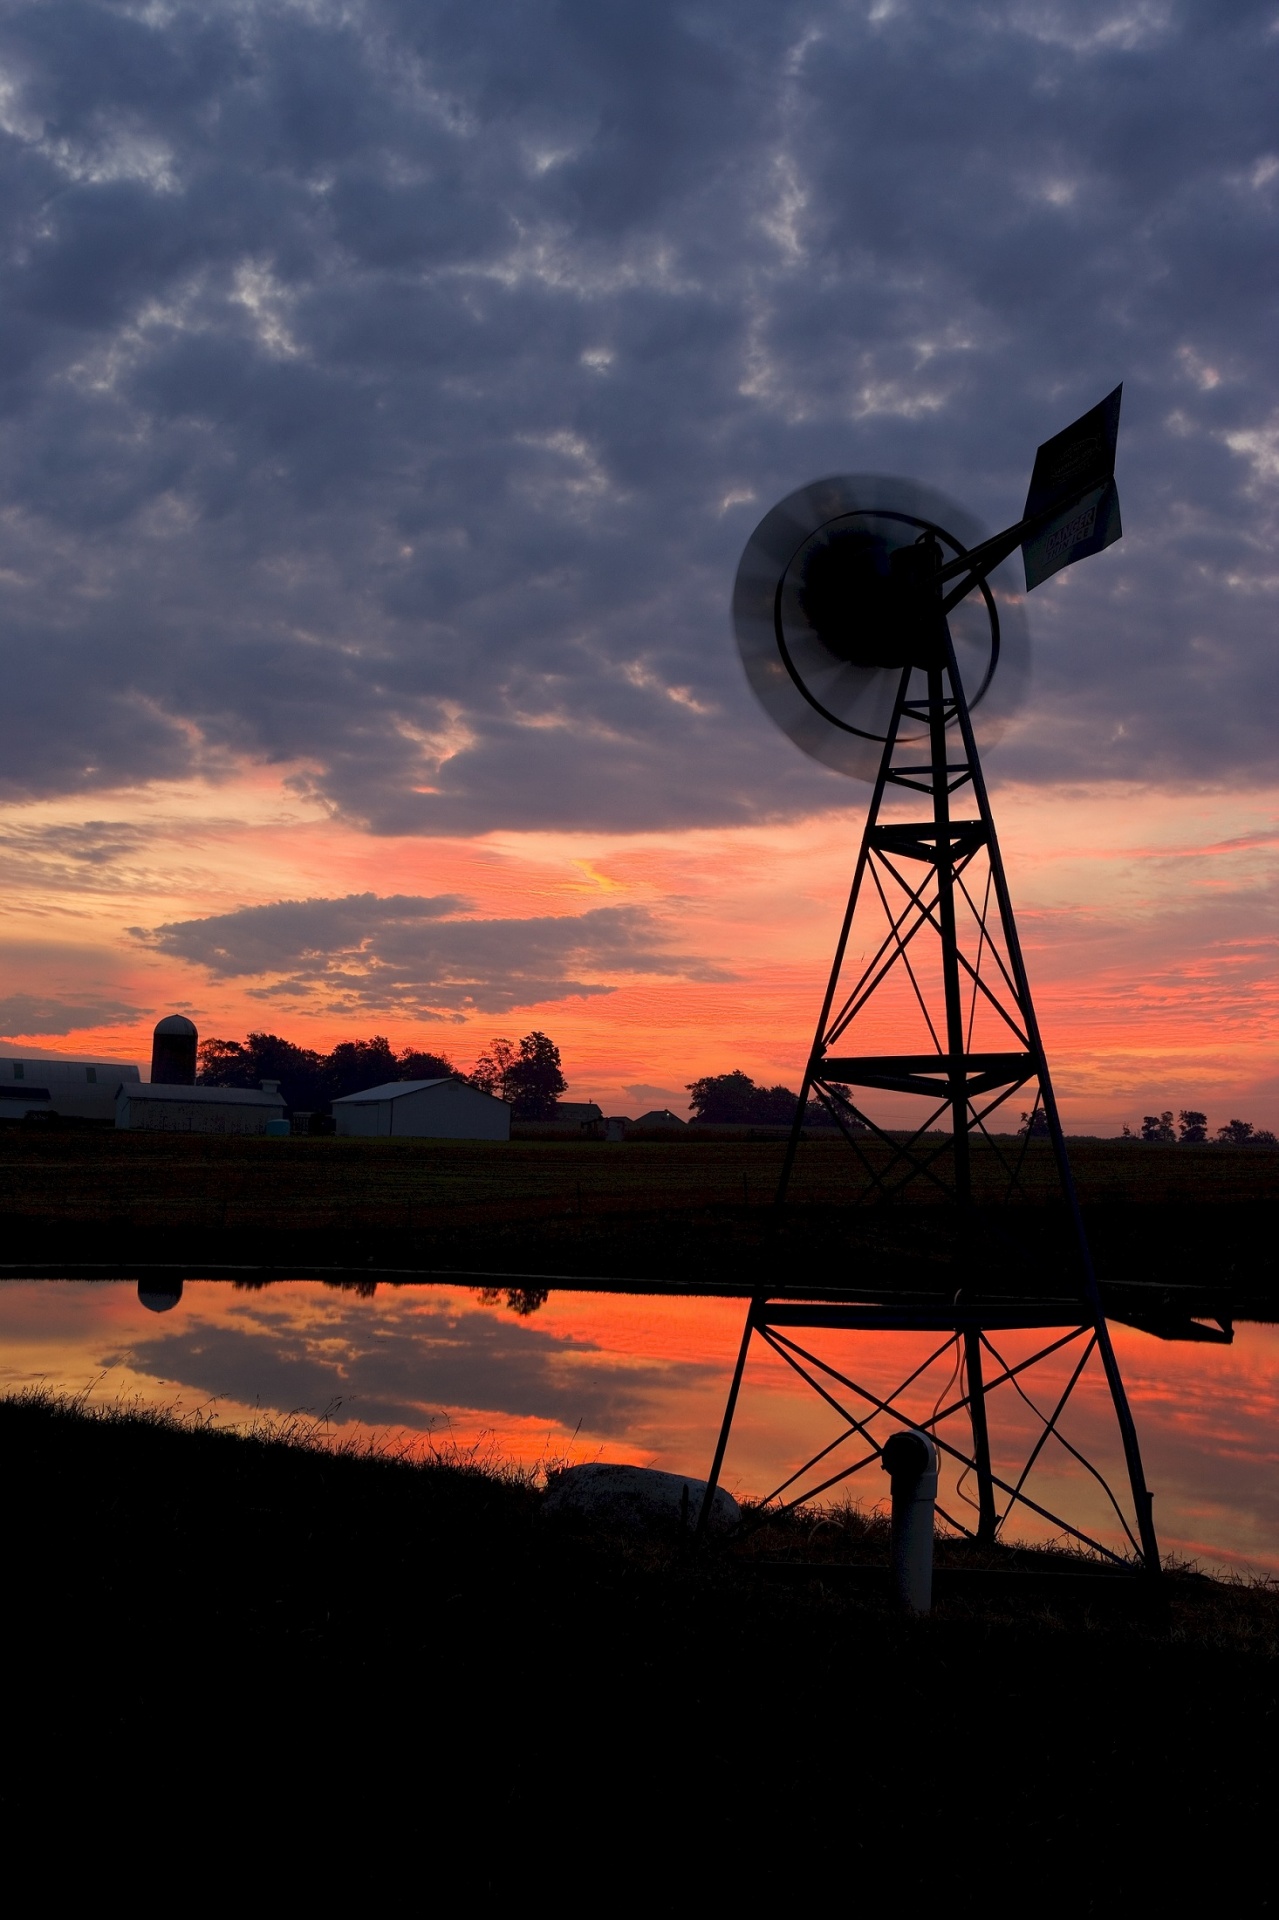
x=584 y=1376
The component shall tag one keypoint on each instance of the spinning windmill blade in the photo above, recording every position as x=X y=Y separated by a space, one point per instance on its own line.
x=826 y=606
x=878 y=632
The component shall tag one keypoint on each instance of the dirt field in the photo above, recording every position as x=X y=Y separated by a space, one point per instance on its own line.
x=692 y=1209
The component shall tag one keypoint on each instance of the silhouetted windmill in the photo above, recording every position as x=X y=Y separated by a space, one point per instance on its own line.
x=874 y=633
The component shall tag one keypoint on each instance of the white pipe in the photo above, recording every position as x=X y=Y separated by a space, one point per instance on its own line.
x=910 y=1461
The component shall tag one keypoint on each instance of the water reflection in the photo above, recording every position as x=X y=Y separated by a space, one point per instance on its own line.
x=159 y=1296
x=582 y=1376
x=521 y=1300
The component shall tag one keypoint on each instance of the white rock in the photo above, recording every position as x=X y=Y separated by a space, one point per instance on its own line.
x=636 y=1498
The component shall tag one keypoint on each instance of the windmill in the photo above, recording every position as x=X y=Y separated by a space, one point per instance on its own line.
x=876 y=629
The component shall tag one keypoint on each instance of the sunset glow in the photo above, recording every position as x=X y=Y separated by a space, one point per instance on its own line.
x=1147 y=917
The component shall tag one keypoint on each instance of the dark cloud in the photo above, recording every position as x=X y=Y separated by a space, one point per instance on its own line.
x=647 y=1096
x=88 y=843
x=24 y=1013
x=390 y=389
x=404 y=1364
x=402 y=954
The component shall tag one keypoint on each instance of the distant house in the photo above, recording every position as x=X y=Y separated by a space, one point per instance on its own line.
x=423 y=1110
x=576 y=1113
x=158 y=1109
x=77 y=1089
x=659 y=1117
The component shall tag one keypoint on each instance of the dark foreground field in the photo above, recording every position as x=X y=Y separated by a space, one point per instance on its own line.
x=240 y=1669
x=689 y=1211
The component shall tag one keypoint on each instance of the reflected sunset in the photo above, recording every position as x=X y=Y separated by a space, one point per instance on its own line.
x=591 y=1376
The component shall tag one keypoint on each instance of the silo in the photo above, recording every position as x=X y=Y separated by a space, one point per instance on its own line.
x=173 y=1052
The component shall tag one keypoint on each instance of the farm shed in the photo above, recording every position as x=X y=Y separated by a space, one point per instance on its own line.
x=423 y=1110
x=80 y=1089
x=159 y=1109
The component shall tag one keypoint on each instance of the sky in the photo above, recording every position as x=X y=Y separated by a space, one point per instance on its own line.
x=387 y=392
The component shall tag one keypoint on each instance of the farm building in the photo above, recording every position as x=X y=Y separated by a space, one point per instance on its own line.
x=659 y=1117
x=423 y=1110
x=160 y=1109
x=173 y=1052
x=76 y=1089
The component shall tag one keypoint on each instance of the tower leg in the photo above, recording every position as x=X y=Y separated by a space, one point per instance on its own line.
x=949 y=943
x=1142 y=1500
x=708 y=1498
x=981 y=1438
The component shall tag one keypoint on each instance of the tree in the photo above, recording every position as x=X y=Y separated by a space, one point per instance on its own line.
x=818 y=1114
x=723 y=1099
x=490 y=1070
x=1236 y=1133
x=1192 y=1126
x=530 y=1076
x=221 y=1063
x=1157 y=1128
x=414 y=1065
x=733 y=1100
x=354 y=1065
x=300 y=1071
x=536 y=1079
x=1034 y=1125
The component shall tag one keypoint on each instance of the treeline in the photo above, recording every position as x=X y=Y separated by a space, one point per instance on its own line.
x=1191 y=1130
x=734 y=1100
x=526 y=1072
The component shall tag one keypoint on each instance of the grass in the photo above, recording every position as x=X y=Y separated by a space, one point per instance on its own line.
x=285 y=1656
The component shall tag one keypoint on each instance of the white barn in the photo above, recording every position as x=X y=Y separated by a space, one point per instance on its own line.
x=423 y=1110
x=149 y=1108
x=80 y=1089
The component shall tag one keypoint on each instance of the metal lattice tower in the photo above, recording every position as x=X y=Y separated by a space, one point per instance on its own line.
x=928 y=960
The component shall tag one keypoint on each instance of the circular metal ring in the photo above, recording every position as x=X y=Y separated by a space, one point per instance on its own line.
x=908 y=519
x=832 y=707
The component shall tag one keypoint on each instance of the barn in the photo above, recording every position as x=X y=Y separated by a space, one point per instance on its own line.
x=77 y=1089
x=149 y=1108
x=423 y=1110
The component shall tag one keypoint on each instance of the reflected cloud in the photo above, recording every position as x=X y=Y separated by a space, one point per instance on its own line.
x=403 y=1364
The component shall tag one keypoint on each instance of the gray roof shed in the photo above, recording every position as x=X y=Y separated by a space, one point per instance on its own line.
x=443 y=1109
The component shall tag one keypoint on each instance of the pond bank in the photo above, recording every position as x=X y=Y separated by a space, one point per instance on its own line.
x=294 y=1618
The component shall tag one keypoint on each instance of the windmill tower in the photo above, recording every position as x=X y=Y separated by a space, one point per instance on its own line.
x=875 y=633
